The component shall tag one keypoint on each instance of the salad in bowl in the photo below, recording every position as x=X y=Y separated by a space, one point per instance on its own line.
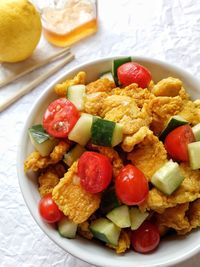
x=117 y=158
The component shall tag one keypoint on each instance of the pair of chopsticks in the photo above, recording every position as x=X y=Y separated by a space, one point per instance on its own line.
x=68 y=56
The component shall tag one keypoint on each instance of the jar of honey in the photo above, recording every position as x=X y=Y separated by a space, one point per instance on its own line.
x=67 y=21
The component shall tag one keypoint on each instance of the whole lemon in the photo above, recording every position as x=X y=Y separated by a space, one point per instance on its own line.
x=20 y=30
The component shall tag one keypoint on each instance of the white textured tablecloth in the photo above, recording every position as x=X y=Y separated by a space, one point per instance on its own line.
x=164 y=29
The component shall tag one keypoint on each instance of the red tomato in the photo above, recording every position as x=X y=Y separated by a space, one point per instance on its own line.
x=49 y=210
x=146 y=238
x=95 y=171
x=131 y=185
x=60 y=117
x=176 y=142
x=132 y=72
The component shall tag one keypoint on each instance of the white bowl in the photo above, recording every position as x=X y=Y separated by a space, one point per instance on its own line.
x=171 y=250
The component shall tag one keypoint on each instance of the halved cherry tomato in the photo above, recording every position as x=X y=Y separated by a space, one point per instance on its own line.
x=146 y=238
x=131 y=185
x=60 y=117
x=95 y=171
x=132 y=72
x=48 y=209
x=176 y=142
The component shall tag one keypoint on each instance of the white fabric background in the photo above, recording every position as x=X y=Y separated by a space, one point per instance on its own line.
x=164 y=29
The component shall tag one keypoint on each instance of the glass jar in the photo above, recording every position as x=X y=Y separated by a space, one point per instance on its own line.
x=67 y=21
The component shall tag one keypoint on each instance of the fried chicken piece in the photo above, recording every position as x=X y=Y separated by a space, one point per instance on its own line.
x=100 y=85
x=188 y=191
x=140 y=95
x=167 y=87
x=35 y=161
x=84 y=230
x=93 y=103
x=193 y=215
x=114 y=157
x=50 y=178
x=174 y=217
x=61 y=88
x=191 y=112
x=72 y=199
x=162 y=108
x=123 y=243
x=150 y=153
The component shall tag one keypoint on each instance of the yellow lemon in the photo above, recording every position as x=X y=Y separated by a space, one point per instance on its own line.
x=20 y=30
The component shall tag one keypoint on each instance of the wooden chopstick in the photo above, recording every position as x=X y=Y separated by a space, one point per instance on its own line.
x=27 y=88
x=55 y=56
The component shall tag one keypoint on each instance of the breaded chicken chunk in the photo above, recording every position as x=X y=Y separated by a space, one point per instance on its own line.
x=149 y=155
x=35 y=161
x=162 y=108
x=191 y=112
x=167 y=87
x=72 y=199
x=61 y=88
x=100 y=85
x=188 y=191
x=93 y=103
x=49 y=178
x=123 y=243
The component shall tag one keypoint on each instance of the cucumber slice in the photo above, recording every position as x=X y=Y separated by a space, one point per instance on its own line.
x=120 y=216
x=73 y=154
x=67 y=228
x=107 y=75
x=109 y=200
x=137 y=217
x=81 y=132
x=118 y=62
x=196 y=131
x=76 y=94
x=106 y=133
x=105 y=230
x=168 y=178
x=194 y=155
x=41 y=141
x=173 y=123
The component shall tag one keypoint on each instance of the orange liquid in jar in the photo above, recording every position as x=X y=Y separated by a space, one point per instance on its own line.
x=70 y=24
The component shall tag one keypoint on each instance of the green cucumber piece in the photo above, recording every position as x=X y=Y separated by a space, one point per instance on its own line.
x=120 y=216
x=109 y=200
x=67 y=228
x=168 y=178
x=194 y=155
x=105 y=230
x=196 y=131
x=81 y=132
x=73 y=154
x=107 y=75
x=41 y=141
x=106 y=133
x=118 y=62
x=76 y=94
x=174 y=122
x=137 y=217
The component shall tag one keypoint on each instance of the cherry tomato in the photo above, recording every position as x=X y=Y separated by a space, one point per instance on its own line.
x=176 y=142
x=131 y=185
x=60 y=117
x=49 y=210
x=132 y=72
x=146 y=238
x=95 y=171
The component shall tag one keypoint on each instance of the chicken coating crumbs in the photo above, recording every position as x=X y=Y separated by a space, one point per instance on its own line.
x=84 y=231
x=100 y=85
x=61 y=88
x=73 y=200
x=35 y=161
x=123 y=244
x=149 y=155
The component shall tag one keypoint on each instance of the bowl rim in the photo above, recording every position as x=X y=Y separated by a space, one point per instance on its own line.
x=20 y=171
